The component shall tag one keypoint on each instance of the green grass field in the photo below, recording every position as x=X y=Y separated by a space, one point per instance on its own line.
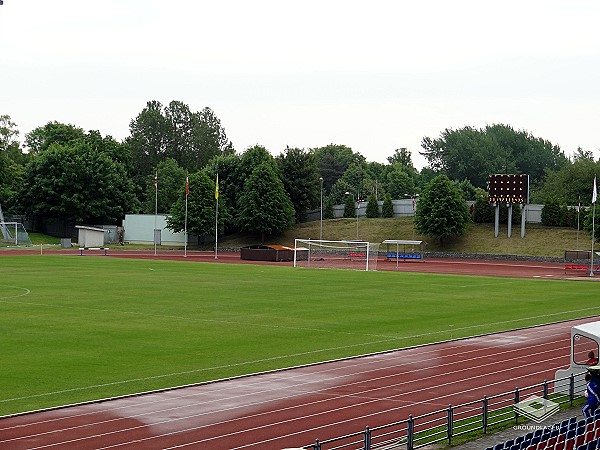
x=76 y=329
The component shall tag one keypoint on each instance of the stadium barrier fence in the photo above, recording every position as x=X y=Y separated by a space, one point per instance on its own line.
x=442 y=426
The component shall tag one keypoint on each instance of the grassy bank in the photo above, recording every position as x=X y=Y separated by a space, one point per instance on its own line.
x=479 y=238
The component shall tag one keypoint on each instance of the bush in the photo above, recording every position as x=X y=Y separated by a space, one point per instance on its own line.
x=328 y=209
x=483 y=212
x=551 y=213
x=349 y=207
x=387 y=210
x=372 y=207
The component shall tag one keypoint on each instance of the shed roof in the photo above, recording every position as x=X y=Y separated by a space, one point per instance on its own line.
x=589 y=329
x=402 y=242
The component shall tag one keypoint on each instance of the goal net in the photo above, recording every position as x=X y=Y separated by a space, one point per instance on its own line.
x=14 y=233
x=322 y=254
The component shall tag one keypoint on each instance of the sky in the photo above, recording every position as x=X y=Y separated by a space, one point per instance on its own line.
x=374 y=76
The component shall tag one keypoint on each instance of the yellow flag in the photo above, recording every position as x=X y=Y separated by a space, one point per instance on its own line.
x=217 y=188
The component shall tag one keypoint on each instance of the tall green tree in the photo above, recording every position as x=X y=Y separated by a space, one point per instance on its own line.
x=372 y=207
x=300 y=178
x=201 y=207
x=41 y=138
x=333 y=160
x=349 y=207
x=12 y=161
x=170 y=181
x=147 y=140
x=190 y=138
x=328 y=209
x=387 y=210
x=399 y=184
x=474 y=154
x=264 y=207
x=230 y=187
x=441 y=211
x=77 y=184
x=569 y=185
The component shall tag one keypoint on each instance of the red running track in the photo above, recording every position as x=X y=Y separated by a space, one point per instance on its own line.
x=292 y=408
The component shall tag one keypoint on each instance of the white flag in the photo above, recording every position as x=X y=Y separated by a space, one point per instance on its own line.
x=595 y=192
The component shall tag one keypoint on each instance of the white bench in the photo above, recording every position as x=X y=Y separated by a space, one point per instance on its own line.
x=105 y=249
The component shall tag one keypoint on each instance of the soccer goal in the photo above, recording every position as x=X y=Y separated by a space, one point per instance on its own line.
x=14 y=233
x=322 y=254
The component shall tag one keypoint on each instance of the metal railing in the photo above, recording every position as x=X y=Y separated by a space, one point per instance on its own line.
x=443 y=425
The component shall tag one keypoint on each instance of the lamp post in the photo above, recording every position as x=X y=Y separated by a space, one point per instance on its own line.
x=321 y=227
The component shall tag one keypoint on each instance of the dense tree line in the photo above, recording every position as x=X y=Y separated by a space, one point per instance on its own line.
x=66 y=173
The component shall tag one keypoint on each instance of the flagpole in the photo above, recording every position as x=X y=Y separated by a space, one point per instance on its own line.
x=155 y=209
x=594 y=198
x=187 y=192
x=217 y=217
x=593 y=235
x=578 y=211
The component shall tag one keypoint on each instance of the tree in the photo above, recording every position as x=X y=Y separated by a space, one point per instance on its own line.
x=41 y=138
x=482 y=210
x=264 y=206
x=190 y=138
x=587 y=224
x=399 y=183
x=170 y=181
x=473 y=154
x=328 y=210
x=300 y=178
x=441 y=210
x=147 y=139
x=201 y=207
x=387 y=210
x=77 y=184
x=467 y=189
x=372 y=207
x=12 y=162
x=349 y=207
x=333 y=160
x=551 y=213
x=570 y=185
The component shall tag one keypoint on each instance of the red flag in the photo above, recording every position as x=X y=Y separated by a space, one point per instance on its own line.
x=187 y=186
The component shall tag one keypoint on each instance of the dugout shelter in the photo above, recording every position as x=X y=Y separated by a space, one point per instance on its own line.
x=404 y=250
x=585 y=338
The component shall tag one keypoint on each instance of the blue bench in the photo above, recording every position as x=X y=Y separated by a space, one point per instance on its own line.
x=394 y=256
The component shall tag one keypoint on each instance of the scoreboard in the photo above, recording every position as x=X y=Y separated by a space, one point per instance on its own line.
x=508 y=188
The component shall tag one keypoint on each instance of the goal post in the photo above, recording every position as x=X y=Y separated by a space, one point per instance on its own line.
x=14 y=233
x=323 y=254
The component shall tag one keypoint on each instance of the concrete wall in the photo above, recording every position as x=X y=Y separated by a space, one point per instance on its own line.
x=138 y=229
x=404 y=208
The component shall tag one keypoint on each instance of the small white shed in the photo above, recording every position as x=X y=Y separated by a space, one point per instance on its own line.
x=90 y=237
x=585 y=339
